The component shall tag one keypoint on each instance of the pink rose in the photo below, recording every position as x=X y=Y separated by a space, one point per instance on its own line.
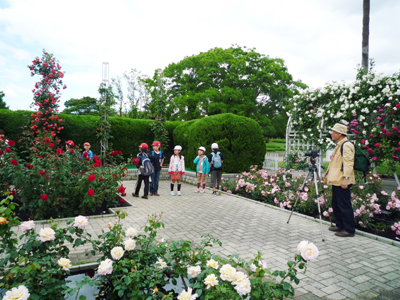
x=371 y=136
x=370 y=150
x=374 y=158
x=388 y=133
x=363 y=142
x=395 y=128
x=384 y=130
x=377 y=145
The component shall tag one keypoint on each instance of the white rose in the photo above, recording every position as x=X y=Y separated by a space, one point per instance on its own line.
x=262 y=264
x=239 y=278
x=25 y=226
x=194 y=271
x=131 y=232
x=212 y=263
x=129 y=244
x=161 y=264
x=302 y=245
x=244 y=287
x=105 y=267
x=46 y=234
x=227 y=272
x=187 y=295
x=210 y=280
x=117 y=253
x=310 y=252
x=80 y=222
x=19 y=293
x=64 y=263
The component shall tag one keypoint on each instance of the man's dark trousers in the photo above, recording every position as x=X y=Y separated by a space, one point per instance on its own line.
x=139 y=184
x=342 y=208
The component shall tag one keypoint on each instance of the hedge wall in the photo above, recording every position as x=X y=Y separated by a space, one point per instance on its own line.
x=240 y=139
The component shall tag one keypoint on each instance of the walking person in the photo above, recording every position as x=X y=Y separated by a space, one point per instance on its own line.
x=217 y=159
x=176 y=169
x=202 y=168
x=340 y=175
x=157 y=160
x=141 y=162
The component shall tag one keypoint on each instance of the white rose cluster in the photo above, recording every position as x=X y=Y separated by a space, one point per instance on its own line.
x=308 y=250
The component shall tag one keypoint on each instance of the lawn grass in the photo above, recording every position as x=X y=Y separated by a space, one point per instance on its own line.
x=277 y=145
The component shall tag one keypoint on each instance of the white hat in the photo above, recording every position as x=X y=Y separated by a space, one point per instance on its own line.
x=177 y=147
x=214 y=146
x=340 y=128
x=202 y=148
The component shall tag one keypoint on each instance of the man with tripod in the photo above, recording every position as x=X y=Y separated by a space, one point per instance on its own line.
x=340 y=175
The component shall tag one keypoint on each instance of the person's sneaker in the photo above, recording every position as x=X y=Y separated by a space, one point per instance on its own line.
x=156 y=194
x=214 y=193
x=179 y=193
x=172 y=193
x=145 y=197
x=134 y=195
x=202 y=191
x=151 y=194
x=332 y=228
x=197 y=190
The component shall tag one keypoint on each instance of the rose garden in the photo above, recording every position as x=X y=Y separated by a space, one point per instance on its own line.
x=41 y=180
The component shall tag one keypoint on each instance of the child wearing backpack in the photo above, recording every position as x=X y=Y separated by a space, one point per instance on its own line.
x=145 y=169
x=216 y=158
x=202 y=168
x=157 y=160
x=176 y=169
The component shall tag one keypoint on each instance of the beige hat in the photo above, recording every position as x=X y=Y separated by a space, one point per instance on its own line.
x=340 y=128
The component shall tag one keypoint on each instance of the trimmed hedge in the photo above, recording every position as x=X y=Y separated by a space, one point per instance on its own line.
x=240 y=139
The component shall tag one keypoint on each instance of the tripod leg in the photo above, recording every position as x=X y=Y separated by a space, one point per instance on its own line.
x=316 y=181
x=298 y=196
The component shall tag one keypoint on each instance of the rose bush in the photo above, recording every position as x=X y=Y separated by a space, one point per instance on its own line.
x=282 y=188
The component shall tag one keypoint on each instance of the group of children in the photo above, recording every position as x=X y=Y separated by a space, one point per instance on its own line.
x=204 y=166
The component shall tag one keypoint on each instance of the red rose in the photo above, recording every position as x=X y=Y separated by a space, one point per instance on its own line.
x=59 y=151
x=101 y=178
x=29 y=166
x=388 y=133
x=362 y=141
x=370 y=151
x=98 y=130
x=123 y=194
x=122 y=175
x=396 y=149
x=85 y=155
x=384 y=130
x=99 y=162
x=135 y=161
x=51 y=145
x=42 y=172
x=108 y=156
x=13 y=162
x=44 y=197
x=11 y=143
x=12 y=193
x=64 y=87
x=90 y=192
x=114 y=153
x=8 y=150
x=122 y=200
x=1 y=152
x=87 y=158
x=73 y=173
x=92 y=177
x=395 y=128
x=377 y=145
x=114 y=176
x=40 y=156
x=71 y=151
x=121 y=189
x=47 y=176
x=95 y=157
x=120 y=152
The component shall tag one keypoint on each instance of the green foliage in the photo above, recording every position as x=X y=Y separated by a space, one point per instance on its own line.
x=239 y=138
x=2 y=103
x=83 y=106
x=105 y=103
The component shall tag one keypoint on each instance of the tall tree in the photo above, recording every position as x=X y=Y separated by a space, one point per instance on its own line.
x=2 y=103
x=234 y=80
x=83 y=106
x=365 y=36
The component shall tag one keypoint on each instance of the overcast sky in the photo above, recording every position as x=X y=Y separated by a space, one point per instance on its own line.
x=320 y=40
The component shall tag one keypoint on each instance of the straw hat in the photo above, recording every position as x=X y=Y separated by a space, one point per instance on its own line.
x=340 y=128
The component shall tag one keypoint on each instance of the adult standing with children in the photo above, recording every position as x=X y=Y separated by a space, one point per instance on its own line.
x=202 y=168
x=340 y=175
x=140 y=161
x=216 y=159
x=176 y=169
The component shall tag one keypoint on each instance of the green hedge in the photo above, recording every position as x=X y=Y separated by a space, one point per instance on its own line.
x=240 y=139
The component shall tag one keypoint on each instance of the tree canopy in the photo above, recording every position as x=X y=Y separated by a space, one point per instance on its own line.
x=84 y=106
x=234 y=80
x=2 y=103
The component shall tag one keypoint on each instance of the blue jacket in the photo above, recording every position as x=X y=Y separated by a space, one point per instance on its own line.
x=206 y=164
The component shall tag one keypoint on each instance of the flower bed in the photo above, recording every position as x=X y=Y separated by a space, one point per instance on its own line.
x=375 y=210
x=134 y=265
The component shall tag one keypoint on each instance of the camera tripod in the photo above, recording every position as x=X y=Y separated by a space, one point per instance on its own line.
x=313 y=174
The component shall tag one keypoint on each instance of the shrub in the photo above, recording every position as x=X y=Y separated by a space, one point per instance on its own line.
x=239 y=138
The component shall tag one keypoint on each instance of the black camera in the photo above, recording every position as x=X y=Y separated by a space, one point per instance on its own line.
x=313 y=153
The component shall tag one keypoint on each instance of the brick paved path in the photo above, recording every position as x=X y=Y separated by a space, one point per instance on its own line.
x=347 y=268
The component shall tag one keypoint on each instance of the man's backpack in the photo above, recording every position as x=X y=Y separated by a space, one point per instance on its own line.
x=147 y=167
x=361 y=161
x=217 y=163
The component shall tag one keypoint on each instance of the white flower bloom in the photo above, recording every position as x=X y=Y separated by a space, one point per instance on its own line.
x=105 y=267
x=80 y=222
x=25 y=226
x=193 y=271
x=64 y=263
x=187 y=295
x=302 y=245
x=239 y=278
x=46 y=234
x=212 y=263
x=227 y=272
x=243 y=288
x=129 y=244
x=117 y=253
x=310 y=252
x=17 y=293
x=262 y=264
x=161 y=264
x=131 y=232
x=210 y=280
